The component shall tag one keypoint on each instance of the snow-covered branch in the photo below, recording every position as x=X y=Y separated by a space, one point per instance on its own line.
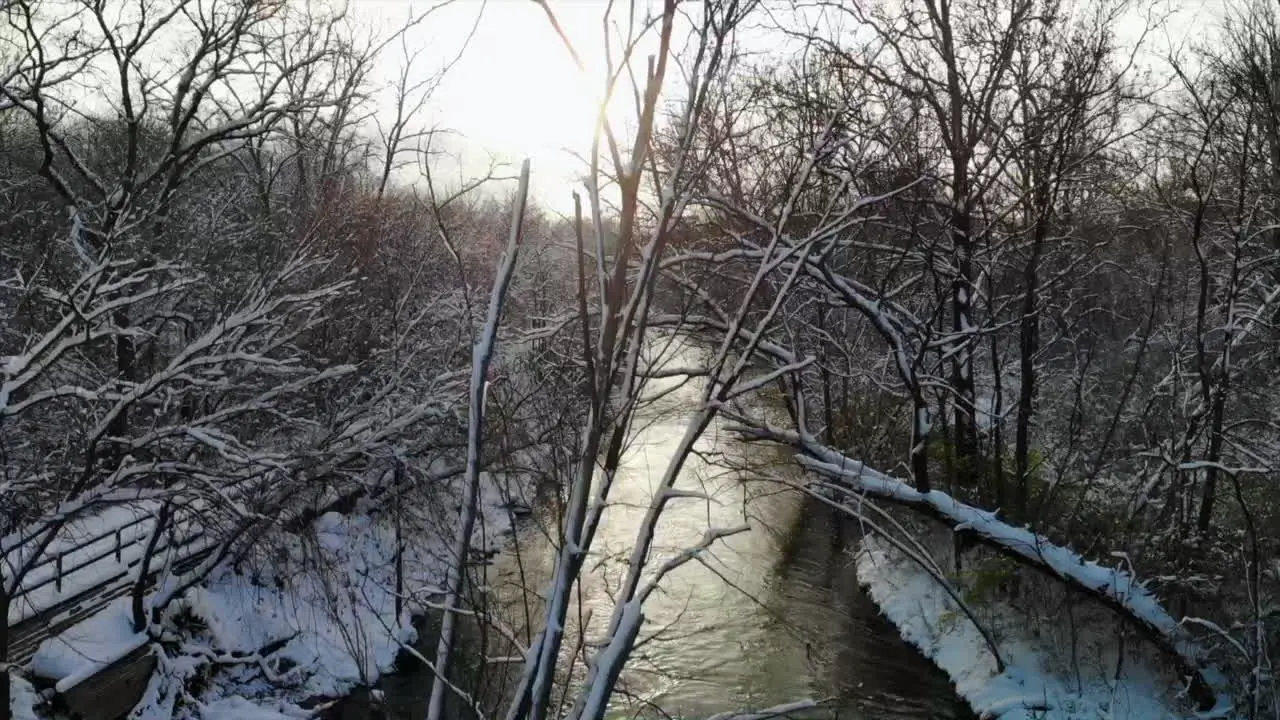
x=1118 y=589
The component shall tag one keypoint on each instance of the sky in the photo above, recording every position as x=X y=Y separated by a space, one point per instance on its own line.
x=516 y=93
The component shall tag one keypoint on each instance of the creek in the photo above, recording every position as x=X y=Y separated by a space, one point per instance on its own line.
x=772 y=615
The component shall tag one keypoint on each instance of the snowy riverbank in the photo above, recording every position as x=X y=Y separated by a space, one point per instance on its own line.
x=307 y=616
x=339 y=624
x=1045 y=677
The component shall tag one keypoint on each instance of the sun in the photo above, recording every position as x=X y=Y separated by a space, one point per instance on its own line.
x=515 y=91
x=525 y=95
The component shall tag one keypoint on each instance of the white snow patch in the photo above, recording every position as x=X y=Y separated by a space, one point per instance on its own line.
x=336 y=610
x=82 y=650
x=1034 y=683
x=235 y=707
x=328 y=595
x=23 y=698
x=331 y=597
x=1117 y=585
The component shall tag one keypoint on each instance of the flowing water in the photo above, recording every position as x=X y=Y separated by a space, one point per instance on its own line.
x=774 y=614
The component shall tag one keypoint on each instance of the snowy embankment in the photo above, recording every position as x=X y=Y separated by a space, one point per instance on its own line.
x=332 y=603
x=1115 y=588
x=1040 y=681
x=23 y=699
x=308 y=615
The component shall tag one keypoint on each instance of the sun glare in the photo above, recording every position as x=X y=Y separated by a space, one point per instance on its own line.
x=516 y=92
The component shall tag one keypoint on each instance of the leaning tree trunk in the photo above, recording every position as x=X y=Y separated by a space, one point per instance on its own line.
x=1117 y=590
x=138 y=594
x=482 y=356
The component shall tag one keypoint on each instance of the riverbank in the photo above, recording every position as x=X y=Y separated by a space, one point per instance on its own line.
x=332 y=602
x=1061 y=663
x=308 y=617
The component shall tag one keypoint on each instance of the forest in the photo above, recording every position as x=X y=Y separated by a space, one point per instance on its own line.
x=992 y=287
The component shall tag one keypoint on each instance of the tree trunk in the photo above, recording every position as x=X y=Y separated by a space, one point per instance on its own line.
x=6 y=686
x=126 y=368
x=828 y=432
x=1028 y=346
x=398 y=479
x=1205 y=520
x=138 y=594
x=996 y=453
x=966 y=435
x=1029 y=550
x=481 y=358
x=1272 y=120
x=920 y=440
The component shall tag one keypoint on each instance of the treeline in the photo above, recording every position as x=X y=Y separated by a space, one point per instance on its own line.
x=980 y=244
x=217 y=304
x=1061 y=305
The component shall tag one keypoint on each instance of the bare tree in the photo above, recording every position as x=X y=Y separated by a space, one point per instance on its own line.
x=171 y=355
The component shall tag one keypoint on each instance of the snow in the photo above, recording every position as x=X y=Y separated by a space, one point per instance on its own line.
x=35 y=600
x=234 y=707
x=82 y=650
x=1038 y=681
x=343 y=627
x=1117 y=585
x=79 y=530
x=100 y=546
x=22 y=699
x=339 y=628
x=335 y=629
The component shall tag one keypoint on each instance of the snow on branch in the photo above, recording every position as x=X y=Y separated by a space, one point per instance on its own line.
x=1117 y=589
x=481 y=358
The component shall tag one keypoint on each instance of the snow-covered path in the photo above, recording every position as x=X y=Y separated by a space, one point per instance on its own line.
x=91 y=563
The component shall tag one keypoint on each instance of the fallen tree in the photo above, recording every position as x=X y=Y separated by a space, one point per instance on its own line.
x=1116 y=589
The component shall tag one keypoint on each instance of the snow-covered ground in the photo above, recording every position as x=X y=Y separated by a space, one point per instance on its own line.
x=23 y=699
x=1042 y=679
x=323 y=601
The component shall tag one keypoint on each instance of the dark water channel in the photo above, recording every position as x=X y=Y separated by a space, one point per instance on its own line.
x=774 y=615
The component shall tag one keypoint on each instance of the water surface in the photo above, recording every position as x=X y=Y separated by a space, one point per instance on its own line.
x=773 y=615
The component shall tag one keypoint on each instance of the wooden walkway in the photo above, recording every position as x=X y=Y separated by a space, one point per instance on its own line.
x=76 y=581
x=94 y=562
x=85 y=570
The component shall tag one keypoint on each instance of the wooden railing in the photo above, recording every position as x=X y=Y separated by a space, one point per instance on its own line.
x=68 y=584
